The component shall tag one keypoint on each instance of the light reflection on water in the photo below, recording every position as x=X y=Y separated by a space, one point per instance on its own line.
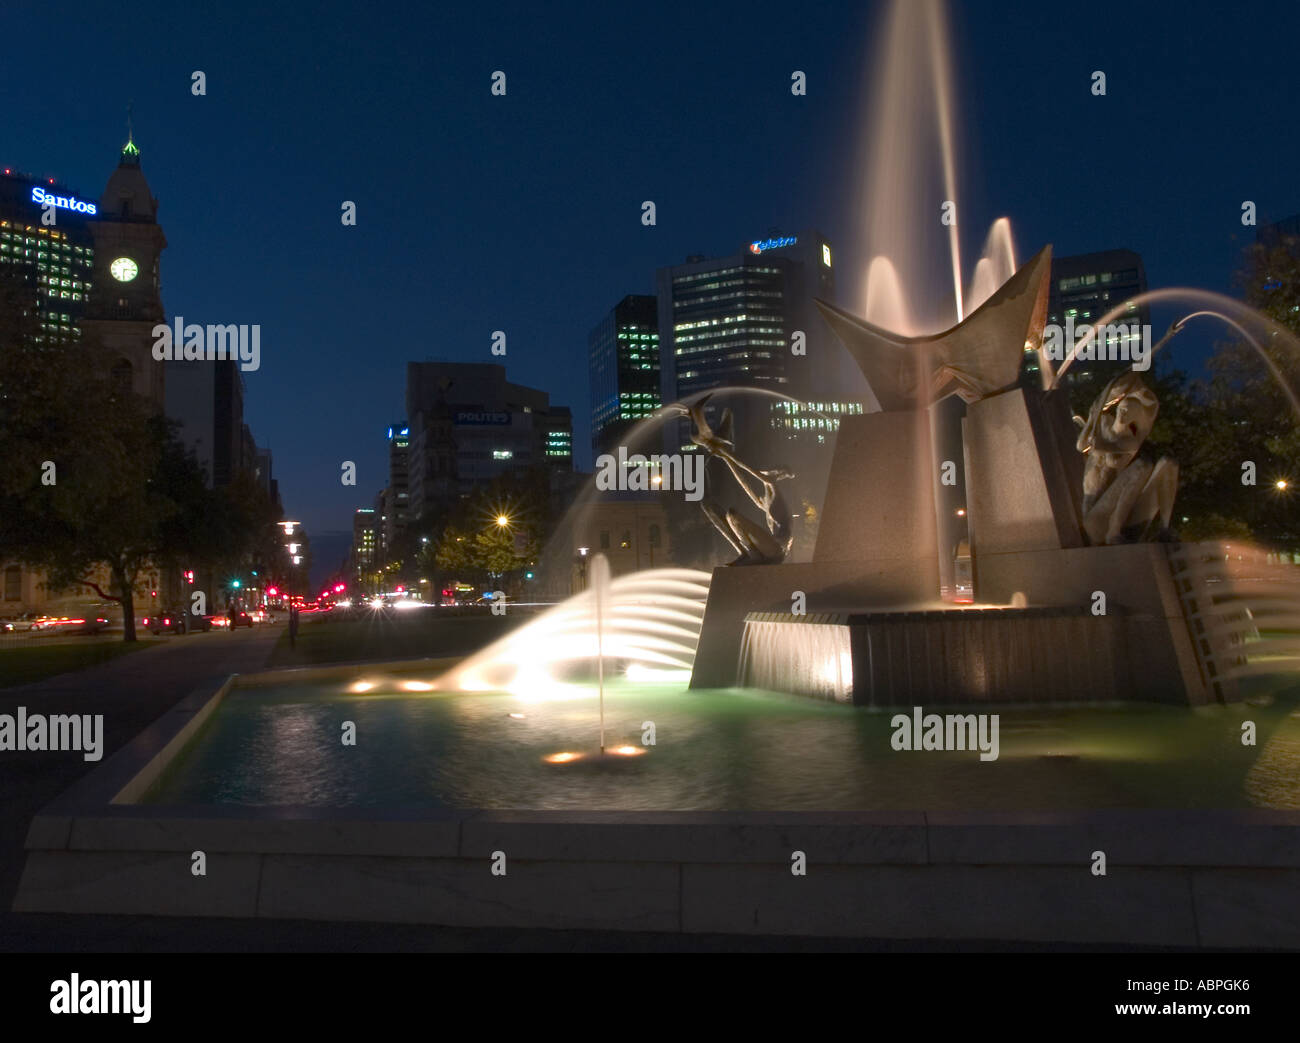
x=715 y=750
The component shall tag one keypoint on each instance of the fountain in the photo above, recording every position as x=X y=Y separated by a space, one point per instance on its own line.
x=769 y=750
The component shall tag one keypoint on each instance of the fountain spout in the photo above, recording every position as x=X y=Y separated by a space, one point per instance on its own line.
x=600 y=582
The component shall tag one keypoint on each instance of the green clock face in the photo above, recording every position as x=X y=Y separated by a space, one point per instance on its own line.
x=124 y=269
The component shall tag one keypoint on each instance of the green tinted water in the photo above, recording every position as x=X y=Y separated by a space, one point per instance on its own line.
x=718 y=750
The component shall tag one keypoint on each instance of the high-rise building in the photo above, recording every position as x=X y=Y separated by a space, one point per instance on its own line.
x=397 y=496
x=364 y=560
x=1084 y=288
x=57 y=260
x=623 y=352
x=207 y=399
x=469 y=425
x=557 y=437
x=749 y=320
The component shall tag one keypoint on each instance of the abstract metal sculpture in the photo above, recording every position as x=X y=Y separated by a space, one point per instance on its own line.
x=978 y=357
x=755 y=544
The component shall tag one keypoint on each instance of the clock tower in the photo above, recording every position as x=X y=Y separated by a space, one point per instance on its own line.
x=126 y=302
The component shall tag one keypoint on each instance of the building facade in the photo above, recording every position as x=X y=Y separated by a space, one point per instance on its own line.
x=397 y=495
x=56 y=261
x=93 y=269
x=623 y=355
x=1084 y=288
x=469 y=425
x=363 y=562
x=126 y=302
x=749 y=320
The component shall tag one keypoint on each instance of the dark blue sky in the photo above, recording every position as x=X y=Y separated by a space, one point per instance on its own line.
x=522 y=213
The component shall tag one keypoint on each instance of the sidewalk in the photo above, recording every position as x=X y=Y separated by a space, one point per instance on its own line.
x=131 y=692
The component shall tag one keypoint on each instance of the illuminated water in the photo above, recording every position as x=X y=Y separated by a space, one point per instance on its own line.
x=716 y=750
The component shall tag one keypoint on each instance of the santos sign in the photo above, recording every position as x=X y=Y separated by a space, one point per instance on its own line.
x=40 y=197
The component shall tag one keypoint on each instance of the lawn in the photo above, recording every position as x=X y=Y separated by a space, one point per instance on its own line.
x=28 y=663
x=371 y=636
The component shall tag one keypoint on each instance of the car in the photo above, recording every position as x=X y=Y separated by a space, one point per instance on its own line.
x=239 y=618
x=177 y=623
x=164 y=624
x=70 y=624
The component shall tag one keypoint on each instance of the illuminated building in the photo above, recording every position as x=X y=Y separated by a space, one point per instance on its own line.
x=749 y=320
x=1084 y=288
x=56 y=261
x=469 y=425
x=623 y=353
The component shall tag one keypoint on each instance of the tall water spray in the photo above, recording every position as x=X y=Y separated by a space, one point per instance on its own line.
x=600 y=587
x=909 y=163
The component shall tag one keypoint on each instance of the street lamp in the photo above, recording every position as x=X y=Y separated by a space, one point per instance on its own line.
x=502 y=520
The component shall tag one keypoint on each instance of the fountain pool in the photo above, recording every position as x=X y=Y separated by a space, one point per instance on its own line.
x=715 y=750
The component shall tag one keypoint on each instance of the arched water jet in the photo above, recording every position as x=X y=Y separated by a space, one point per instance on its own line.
x=886 y=304
x=649 y=620
x=638 y=438
x=996 y=265
x=1220 y=302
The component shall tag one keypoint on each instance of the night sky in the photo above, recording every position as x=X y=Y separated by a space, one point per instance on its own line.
x=522 y=213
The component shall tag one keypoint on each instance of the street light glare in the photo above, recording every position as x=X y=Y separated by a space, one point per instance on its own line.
x=1281 y=483
x=502 y=520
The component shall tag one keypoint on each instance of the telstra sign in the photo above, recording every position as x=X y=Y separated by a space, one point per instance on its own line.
x=40 y=197
x=772 y=244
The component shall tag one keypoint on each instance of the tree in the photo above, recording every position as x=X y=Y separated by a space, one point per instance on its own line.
x=1241 y=415
x=496 y=553
x=90 y=478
